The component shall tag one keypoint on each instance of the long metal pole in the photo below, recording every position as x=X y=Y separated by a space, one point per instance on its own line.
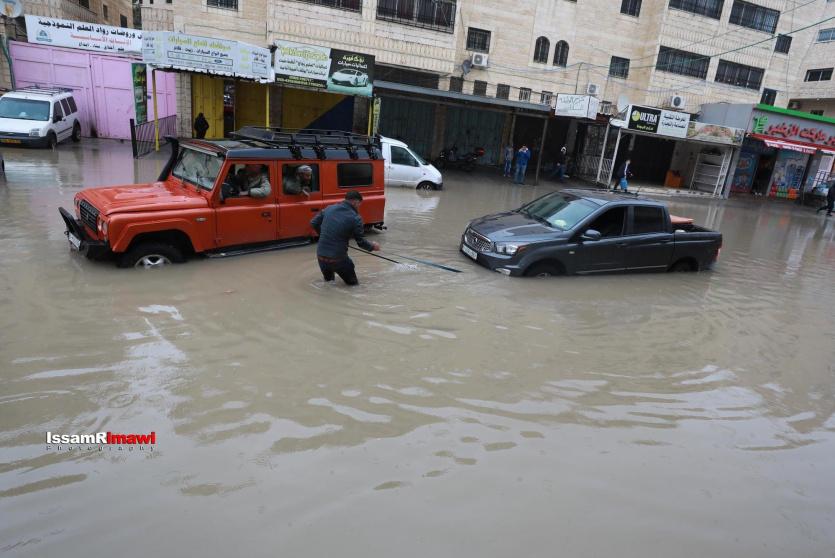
x=602 y=154
x=614 y=159
x=156 y=115
x=541 y=152
x=267 y=95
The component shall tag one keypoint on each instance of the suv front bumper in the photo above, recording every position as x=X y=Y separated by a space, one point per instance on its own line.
x=79 y=239
x=506 y=265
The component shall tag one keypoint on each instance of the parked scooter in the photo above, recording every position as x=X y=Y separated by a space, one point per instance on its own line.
x=449 y=159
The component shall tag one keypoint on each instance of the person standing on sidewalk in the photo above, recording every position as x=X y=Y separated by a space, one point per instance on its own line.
x=335 y=226
x=559 y=167
x=830 y=199
x=522 y=158
x=201 y=126
x=508 y=160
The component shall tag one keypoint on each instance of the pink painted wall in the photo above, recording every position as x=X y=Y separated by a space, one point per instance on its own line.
x=102 y=84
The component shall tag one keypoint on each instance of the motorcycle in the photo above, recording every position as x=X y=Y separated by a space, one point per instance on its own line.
x=449 y=159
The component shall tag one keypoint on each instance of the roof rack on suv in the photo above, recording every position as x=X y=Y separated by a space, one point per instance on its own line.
x=319 y=140
x=46 y=90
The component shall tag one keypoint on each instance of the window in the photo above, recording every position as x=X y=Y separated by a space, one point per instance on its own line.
x=545 y=97
x=66 y=106
x=84 y=3
x=104 y=11
x=682 y=62
x=502 y=91
x=25 y=109
x=347 y=5
x=619 y=67
x=560 y=54
x=826 y=35
x=610 y=224
x=768 y=97
x=754 y=17
x=524 y=94
x=242 y=179
x=783 y=44
x=478 y=40
x=816 y=112
x=821 y=74
x=456 y=84
x=630 y=7
x=123 y=21
x=349 y=175
x=406 y=77
x=200 y=169
x=72 y=104
x=480 y=88
x=540 y=51
x=296 y=179
x=739 y=75
x=708 y=8
x=430 y=14
x=56 y=111
x=647 y=220
x=400 y=156
x=226 y=4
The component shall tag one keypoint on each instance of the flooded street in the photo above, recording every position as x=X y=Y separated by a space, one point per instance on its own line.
x=423 y=413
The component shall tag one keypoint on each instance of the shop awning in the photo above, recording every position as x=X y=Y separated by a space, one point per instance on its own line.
x=788 y=144
x=462 y=97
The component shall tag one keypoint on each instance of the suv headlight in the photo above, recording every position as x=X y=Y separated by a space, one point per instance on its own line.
x=103 y=228
x=35 y=132
x=509 y=248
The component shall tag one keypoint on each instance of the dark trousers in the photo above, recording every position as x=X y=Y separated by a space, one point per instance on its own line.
x=343 y=268
x=830 y=205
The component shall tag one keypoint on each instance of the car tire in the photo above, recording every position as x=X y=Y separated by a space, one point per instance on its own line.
x=425 y=186
x=682 y=266
x=151 y=255
x=543 y=269
x=76 y=132
x=51 y=140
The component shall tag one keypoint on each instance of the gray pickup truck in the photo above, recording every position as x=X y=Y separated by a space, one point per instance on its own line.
x=587 y=231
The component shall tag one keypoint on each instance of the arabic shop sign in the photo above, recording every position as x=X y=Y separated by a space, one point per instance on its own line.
x=791 y=128
x=338 y=71
x=78 y=34
x=140 y=91
x=166 y=49
x=657 y=121
x=577 y=106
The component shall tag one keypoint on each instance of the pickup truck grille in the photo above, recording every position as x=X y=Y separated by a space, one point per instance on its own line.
x=480 y=242
x=89 y=214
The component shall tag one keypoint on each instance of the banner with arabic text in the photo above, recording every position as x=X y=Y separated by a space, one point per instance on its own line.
x=79 y=34
x=318 y=67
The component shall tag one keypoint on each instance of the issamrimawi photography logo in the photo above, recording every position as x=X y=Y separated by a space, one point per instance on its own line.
x=101 y=441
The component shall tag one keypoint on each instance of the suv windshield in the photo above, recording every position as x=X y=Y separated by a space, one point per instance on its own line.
x=198 y=168
x=561 y=211
x=24 y=109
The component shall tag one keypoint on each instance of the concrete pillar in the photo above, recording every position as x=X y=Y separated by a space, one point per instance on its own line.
x=276 y=96
x=439 y=130
x=184 y=118
x=362 y=107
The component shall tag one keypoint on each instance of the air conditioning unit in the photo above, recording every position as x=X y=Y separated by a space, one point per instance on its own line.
x=480 y=60
x=794 y=105
x=592 y=89
x=677 y=102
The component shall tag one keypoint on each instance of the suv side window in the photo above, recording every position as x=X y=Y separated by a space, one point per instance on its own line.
x=239 y=179
x=56 y=111
x=350 y=175
x=71 y=100
x=66 y=106
x=400 y=156
x=610 y=224
x=647 y=220
x=295 y=179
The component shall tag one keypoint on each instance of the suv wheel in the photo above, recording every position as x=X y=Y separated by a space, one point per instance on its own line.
x=543 y=269
x=76 y=132
x=151 y=255
x=51 y=140
x=682 y=266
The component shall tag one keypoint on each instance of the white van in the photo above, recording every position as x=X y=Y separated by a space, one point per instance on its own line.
x=404 y=167
x=41 y=116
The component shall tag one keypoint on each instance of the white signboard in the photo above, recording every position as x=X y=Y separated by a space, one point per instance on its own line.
x=79 y=34
x=673 y=124
x=307 y=62
x=576 y=106
x=166 y=49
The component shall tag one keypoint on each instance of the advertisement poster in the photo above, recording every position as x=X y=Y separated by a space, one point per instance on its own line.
x=658 y=121
x=337 y=71
x=643 y=119
x=788 y=173
x=576 y=106
x=140 y=91
x=375 y=116
x=746 y=168
x=715 y=133
x=78 y=34
x=165 y=49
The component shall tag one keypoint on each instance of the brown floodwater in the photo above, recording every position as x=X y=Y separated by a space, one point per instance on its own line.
x=423 y=413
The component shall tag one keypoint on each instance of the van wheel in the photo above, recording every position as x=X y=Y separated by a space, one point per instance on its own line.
x=151 y=255
x=425 y=186
x=76 y=132
x=543 y=269
x=683 y=266
x=51 y=140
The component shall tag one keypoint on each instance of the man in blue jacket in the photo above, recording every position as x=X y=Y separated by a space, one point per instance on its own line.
x=335 y=226
x=522 y=158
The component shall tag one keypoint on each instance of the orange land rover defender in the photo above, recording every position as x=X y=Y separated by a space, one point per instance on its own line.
x=201 y=202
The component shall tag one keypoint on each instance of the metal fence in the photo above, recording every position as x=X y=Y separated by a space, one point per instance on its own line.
x=586 y=167
x=430 y=14
x=143 y=139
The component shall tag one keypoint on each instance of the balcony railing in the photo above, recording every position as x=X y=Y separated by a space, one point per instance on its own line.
x=347 y=5
x=438 y=15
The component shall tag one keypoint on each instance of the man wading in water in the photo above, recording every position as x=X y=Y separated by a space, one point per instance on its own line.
x=336 y=225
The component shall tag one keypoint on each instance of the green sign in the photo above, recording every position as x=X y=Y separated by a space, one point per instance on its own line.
x=140 y=91
x=760 y=122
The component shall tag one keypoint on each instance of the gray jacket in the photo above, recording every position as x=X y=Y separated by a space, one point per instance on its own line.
x=259 y=186
x=336 y=225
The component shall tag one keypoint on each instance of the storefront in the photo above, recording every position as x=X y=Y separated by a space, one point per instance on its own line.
x=787 y=154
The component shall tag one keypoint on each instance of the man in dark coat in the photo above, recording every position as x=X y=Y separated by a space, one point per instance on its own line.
x=622 y=175
x=830 y=199
x=201 y=126
x=336 y=225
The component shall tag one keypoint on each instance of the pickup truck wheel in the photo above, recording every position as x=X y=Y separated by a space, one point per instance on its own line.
x=683 y=266
x=543 y=269
x=151 y=255
x=76 y=132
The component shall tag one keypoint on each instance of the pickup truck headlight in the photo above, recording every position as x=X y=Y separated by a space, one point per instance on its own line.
x=35 y=132
x=509 y=248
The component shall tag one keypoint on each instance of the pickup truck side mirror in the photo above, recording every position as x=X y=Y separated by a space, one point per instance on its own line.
x=591 y=235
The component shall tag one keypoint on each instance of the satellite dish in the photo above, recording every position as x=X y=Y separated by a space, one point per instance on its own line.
x=11 y=8
x=466 y=66
x=623 y=102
